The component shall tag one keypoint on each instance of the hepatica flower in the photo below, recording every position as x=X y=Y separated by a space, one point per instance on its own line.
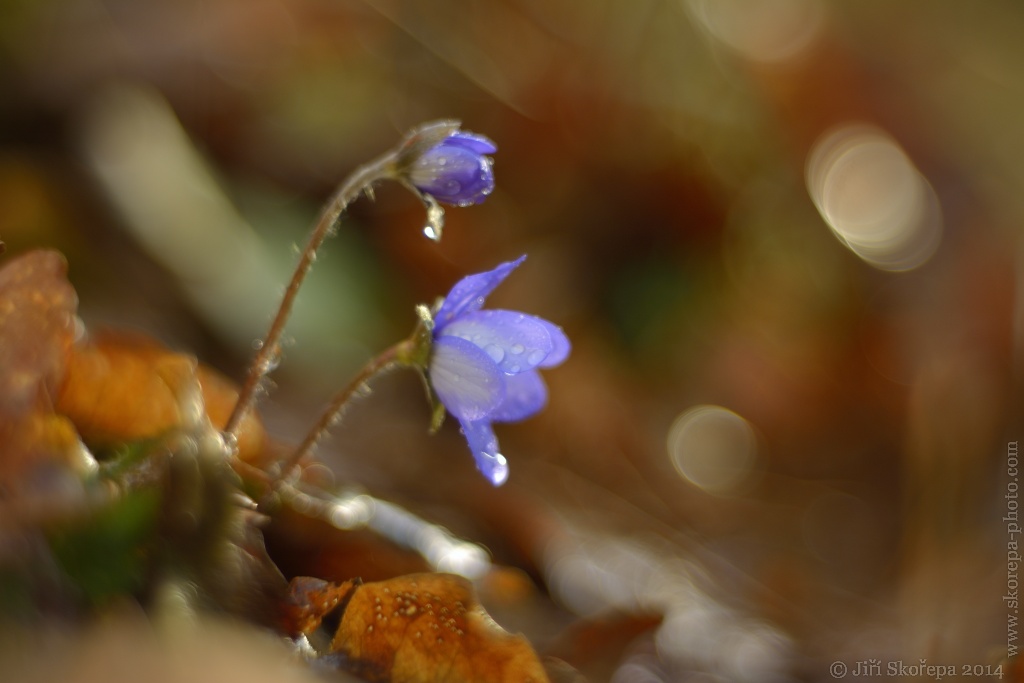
x=484 y=364
x=455 y=171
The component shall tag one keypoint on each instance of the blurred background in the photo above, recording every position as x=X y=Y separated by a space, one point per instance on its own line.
x=783 y=237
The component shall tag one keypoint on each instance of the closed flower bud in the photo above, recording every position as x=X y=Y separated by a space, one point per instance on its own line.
x=455 y=171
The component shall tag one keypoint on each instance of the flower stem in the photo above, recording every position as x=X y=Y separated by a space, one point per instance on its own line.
x=265 y=359
x=393 y=357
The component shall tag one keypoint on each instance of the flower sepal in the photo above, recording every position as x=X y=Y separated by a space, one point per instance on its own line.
x=438 y=411
x=415 y=352
x=422 y=139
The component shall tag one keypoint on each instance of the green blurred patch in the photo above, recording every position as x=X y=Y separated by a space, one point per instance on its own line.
x=108 y=554
x=654 y=302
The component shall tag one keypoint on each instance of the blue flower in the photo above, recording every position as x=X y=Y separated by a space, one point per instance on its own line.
x=484 y=364
x=455 y=171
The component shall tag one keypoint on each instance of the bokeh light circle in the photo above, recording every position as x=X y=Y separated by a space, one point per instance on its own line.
x=873 y=198
x=713 y=448
x=761 y=30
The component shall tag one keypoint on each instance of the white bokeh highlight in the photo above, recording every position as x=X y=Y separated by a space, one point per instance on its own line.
x=873 y=197
x=713 y=448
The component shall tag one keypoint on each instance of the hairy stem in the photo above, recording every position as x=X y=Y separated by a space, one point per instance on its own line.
x=388 y=360
x=264 y=360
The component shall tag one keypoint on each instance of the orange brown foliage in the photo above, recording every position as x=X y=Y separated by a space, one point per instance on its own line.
x=419 y=628
x=110 y=389
x=37 y=328
x=125 y=387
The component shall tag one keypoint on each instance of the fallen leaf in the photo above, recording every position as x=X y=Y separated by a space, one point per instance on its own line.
x=310 y=600
x=419 y=628
x=41 y=456
x=37 y=328
x=122 y=387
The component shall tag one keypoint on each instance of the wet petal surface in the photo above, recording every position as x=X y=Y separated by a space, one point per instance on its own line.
x=525 y=395
x=484 y=445
x=560 y=346
x=474 y=142
x=465 y=378
x=515 y=341
x=469 y=293
x=457 y=171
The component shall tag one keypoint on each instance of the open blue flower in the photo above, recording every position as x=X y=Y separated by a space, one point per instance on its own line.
x=457 y=170
x=484 y=364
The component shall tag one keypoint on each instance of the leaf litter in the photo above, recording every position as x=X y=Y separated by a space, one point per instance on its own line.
x=176 y=511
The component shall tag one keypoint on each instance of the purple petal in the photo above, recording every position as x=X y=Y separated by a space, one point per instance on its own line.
x=484 y=445
x=454 y=174
x=525 y=395
x=467 y=381
x=515 y=341
x=560 y=346
x=469 y=293
x=474 y=142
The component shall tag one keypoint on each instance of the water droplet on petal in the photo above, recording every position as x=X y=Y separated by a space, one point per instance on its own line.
x=496 y=353
x=496 y=468
x=513 y=369
x=517 y=349
x=535 y=356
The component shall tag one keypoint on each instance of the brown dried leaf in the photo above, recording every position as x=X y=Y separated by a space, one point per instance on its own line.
x=125 y=387
x=37 y=327
x=310 y=600
x=37 y=452
x=419 y=628
x=37 y=436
